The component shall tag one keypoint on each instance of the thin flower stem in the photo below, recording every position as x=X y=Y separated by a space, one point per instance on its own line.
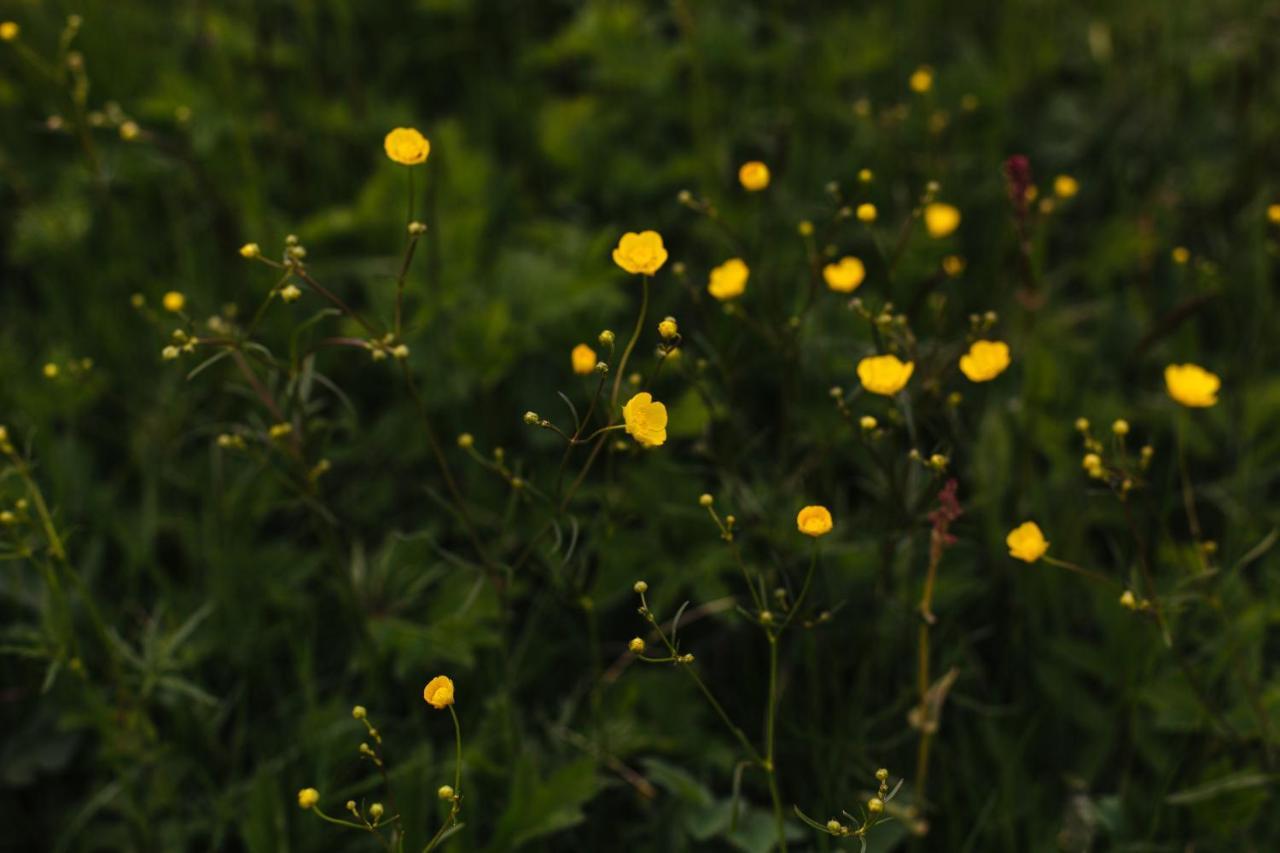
x=770 y=726
x=1096 y=576
x=804 y=590
x=456 y=806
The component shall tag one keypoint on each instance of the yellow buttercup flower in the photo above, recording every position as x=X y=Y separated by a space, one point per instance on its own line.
x=921 y=80
x=406 y=145
x=729 y=280
x=985 y=360
x=439 y=692
x=646 y=420
x=1065 y=186
x=9 y=31
x=1026 y=542
x=174 y=301
x=753 y=176
x=584 y=359
x=814 y=521
x=1192 y=385
x=640 y=254
x=308 y=797
x=845 y=275
x=941 y=219
x=866 y=212
x=884 y=374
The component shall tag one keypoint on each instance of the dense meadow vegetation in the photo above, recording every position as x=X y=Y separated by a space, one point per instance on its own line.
x=615 y=425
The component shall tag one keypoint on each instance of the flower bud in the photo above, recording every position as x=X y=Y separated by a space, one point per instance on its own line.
x=636 y=646
x=531 y=418
x=868 y=423
x=641 y=587
x=359 y=712
x=375 y=811
x=606 y=338
x=466 y=440
x=668 y=328
x=706 y=500
x=417 y=229
x=1120 y=427
x=445 y=792
x=875 y=805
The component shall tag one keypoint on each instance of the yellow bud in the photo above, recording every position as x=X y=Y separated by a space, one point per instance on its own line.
x=375 y=811
x=1120 y=427
x=867 y=212
x=1082 y=424
x=359 y=712
x=308 y=797
x=50 y=371
x=882 y=775
x=875 y=805
x=641 y=587
x=834 y=826
x=1128 y=601
x=706 y=500
x=805 y=228
x=466 y=440
x=636 y=646
x=868 y=423
x=445 y=792
x=668 y=328
x=250 y=250
x=174 y=301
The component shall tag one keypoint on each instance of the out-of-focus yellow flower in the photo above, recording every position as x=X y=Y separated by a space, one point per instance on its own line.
x=1065 y=186
x=646 y=420
x=640 y=254
x=250 y=250
x=1092 y=464
x=50 y=371
x=729 y=280
x=1128 y=601
x=174 y=301
x=584 y=359
x=1273 y=214
x=868 y=422
x=866 y=212
x=280 y=430
x=804 y=228
x=985 y=360
x=753 y=176
x=1180 y=255
x=308 y=797
x=1120 y=427
x=921 y=80
x=953 y=265
x=1192 y=385
x=814 y=521
x=845 y=275
x=866 y=176
x=439 y=692
x=940 y=219
x=407 y=146
x=290 y=293
x=9 y=31
x=1026 y=542
x=129 y=131
x=884 y=374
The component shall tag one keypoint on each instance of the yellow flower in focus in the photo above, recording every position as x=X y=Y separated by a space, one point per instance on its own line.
x=729 y=280
x=941 y=219
x=407 y=146
x=308 y=797
x=1026 y=542
x=754 y=176
x=1065 y=186
x=845 y=275
x=9 y=31
x=985 y=360
x=867 y=212
x=1192 y=385
x=439 y=692
x=884 y=374
x=646 y=420
x=921 y=80
x=640 y=254
x=174 y=301
x=584 y=359
x=1180 y=255
x=814 y=521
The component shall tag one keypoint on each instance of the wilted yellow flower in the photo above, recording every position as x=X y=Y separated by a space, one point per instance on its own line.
x=9 y=31
x=308 y=797
x=439 y=692
x=584 y=359
x=406 y=145
x=1065 y=186
x=640 y=254
x=921 y=80
x=845 y=275
x=1192 y=385
x=884 y=374
x=1026 y=542
x=646 y=420
x=985 y=360
x=174 y=301
x=866 y=212
x=940 y=219
x=753 y=176
x=814 y=521
x=729 y=280
x=668 y=328
x=953 y=265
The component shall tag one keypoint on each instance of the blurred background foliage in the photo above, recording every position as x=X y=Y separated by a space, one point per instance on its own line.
x=242 y=622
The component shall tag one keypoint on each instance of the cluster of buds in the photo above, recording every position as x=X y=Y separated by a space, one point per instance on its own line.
x=1120 y=473
x=872 y=812
x=707 y=502
x=182 y=342
x=231 y=441
x=979 y=324
x=294 y=252
x=386 y=346
x=935 y=462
